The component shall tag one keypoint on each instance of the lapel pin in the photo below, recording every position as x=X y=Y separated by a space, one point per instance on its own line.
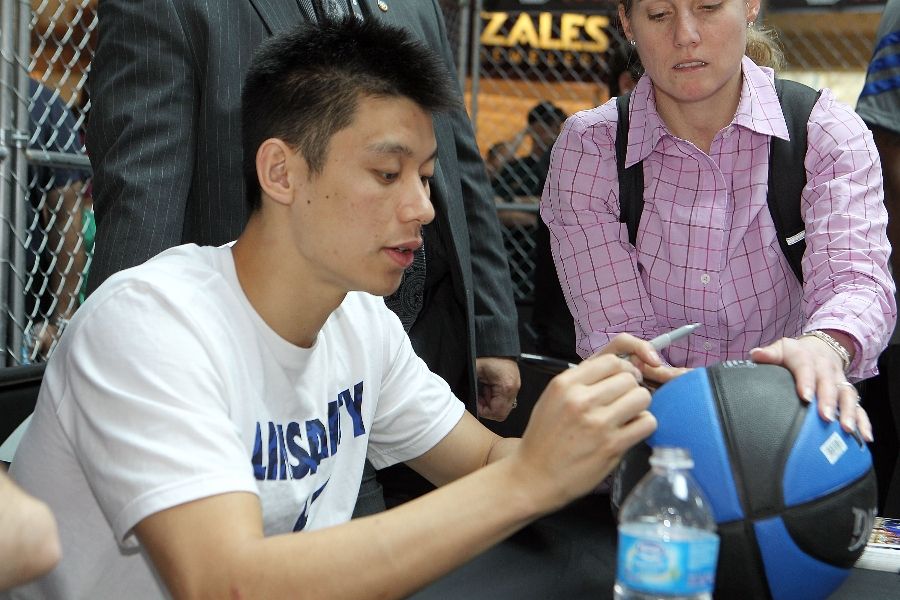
x=382 y=5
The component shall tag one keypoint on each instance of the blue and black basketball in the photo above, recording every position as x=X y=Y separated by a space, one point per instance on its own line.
x=794 y=497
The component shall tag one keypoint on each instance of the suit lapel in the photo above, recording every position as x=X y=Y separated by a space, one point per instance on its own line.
x=279 y=15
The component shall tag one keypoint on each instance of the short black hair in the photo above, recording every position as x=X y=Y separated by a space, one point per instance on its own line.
x=304 y=85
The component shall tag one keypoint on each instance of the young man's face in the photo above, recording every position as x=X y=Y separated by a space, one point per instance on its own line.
x=359 y=220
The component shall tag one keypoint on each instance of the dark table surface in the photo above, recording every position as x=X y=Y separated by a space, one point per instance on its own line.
x=572 y=555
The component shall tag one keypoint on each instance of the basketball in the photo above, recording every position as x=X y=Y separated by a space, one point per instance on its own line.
x=794 y=497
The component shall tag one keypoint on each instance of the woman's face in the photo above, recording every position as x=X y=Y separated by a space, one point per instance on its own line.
x=691 y=49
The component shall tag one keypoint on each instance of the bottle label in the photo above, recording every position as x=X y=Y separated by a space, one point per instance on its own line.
x=682 y=565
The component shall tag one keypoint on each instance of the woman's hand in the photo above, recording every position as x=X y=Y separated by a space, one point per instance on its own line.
x=644 y=357
x=819 y=370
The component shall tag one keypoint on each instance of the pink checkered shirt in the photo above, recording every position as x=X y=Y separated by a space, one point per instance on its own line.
x=707 y=250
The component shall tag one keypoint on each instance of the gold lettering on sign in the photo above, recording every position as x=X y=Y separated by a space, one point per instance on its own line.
x=570 y=31
x=491 y=35
x=523 y=33
x=577 y=32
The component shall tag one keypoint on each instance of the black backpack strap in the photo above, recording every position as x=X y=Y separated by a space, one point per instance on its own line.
x=786 y=182
x=631 y=180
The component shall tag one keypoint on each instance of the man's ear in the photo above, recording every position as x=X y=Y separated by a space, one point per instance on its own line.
x=274 y=162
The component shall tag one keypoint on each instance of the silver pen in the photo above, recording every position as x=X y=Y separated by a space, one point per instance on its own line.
x=667 y=339
x=551 y=365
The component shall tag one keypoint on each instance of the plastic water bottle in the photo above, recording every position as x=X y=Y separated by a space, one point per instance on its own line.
x=668 y=546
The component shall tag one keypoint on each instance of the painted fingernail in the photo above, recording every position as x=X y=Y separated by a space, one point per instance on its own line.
x=755 y=350
x=808 y=394
x=828 y=413
x=847 y=424
x=654 y=356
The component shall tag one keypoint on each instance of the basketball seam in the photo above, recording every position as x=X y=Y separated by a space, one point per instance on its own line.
x=796 y=427
x=737 y=475
x=790 y=510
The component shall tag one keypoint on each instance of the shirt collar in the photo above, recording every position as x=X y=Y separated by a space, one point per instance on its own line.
x=758 y=110
x=645 y=128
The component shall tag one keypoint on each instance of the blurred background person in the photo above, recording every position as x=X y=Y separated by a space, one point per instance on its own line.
x=501 y=153
x=521 y=179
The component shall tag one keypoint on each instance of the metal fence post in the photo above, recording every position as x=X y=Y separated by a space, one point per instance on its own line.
x=19 y=185
x=7 y=103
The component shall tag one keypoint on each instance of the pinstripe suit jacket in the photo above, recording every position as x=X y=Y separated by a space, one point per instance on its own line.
x=164 y=142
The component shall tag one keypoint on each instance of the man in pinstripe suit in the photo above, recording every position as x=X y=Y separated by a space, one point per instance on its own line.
x=164 y=144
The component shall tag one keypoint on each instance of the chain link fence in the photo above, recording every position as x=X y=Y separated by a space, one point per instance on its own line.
x=45 y=205
x=524 y=65
x=829 y=45
x=532 y=65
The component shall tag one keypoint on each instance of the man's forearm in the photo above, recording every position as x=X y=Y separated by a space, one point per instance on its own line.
x=387 y=555
x=447 y=528
x=502 y=448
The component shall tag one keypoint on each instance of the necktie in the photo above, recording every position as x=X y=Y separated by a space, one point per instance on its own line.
x=333 y=10
x=306 y=7
x=406 y=302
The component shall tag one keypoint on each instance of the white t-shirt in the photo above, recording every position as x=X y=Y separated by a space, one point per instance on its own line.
x=168 y=387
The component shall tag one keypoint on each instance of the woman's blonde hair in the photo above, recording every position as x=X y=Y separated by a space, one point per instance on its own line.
x=763 y=48
x=762 y=45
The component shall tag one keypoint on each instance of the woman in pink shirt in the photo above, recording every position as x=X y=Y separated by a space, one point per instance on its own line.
x=701 y=120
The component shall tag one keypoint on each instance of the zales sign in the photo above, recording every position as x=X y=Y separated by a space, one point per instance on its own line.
x=544 y=39
x=574 y=32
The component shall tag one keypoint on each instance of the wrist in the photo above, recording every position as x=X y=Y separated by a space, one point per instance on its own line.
x=839 y=342
x=534 y=501
x=845 y=340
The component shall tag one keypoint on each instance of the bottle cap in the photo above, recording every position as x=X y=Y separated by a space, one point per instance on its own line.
x=671 y=457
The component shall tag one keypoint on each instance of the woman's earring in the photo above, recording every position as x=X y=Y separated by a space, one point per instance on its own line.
x=750 y=25
x=633 y=43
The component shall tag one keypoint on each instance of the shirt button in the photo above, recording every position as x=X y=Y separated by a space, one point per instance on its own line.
x=704 y=279
x=707 y=346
